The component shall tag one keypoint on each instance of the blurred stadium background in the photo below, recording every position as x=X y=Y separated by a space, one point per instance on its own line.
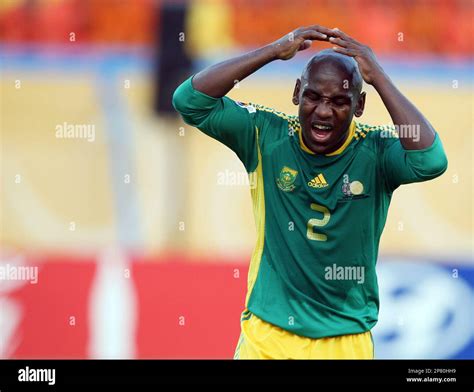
x=124 y=221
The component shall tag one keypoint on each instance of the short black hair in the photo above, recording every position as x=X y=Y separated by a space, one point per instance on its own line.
x=344 y=63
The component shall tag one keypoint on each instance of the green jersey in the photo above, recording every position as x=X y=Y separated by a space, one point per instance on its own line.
x=319 y=217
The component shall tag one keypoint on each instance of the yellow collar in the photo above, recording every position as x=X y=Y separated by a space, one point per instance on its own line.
x=339 y=150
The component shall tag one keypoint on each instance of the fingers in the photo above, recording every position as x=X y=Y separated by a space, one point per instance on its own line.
x=321 y=33
x=340 y=34
x=305 y=45
x=346 y=51
x=340 y=42
x=313 y=35
x=321 y=29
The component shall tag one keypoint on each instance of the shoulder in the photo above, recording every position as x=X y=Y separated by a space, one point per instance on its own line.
x=375 y=137
x=265 y=111
x=273 y=124
x=375 y=131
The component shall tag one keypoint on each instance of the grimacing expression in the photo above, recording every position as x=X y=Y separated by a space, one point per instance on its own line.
x=329 y=95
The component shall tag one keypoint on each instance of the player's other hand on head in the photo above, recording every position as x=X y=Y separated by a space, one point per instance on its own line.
x=369 y=67
x=300 y=39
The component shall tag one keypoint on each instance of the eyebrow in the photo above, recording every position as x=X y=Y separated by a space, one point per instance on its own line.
x=338 y=96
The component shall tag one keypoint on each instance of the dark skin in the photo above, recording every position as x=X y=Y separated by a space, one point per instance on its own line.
x=324 y=104
x=401 y=110
x=328 y=95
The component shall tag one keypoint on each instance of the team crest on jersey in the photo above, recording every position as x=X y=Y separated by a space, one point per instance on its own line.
x=318 y=182
x=351 y=188
x=287 y=178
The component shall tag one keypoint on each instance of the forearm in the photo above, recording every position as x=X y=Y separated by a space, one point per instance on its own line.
x=420 y=134
x=217 y=80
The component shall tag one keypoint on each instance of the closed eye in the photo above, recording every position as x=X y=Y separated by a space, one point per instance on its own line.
x=311 y=95
x=341 y=102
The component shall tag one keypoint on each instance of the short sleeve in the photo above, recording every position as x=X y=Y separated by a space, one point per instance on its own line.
x=402 y=166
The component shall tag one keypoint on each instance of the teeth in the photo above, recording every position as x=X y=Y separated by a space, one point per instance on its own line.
x=322 y=127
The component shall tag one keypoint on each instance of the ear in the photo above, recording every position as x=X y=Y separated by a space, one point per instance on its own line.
x=360 y=105
x=296 y=92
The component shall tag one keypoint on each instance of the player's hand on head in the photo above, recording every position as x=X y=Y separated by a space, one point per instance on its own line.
x=369 y=67
x=299 y=39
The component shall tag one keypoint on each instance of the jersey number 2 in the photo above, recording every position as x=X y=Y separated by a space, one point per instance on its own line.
x=313 y=222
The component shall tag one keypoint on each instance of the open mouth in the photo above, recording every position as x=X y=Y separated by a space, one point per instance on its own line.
x=321 y=132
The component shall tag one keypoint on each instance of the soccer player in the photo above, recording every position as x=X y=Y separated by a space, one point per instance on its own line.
x=323 y=185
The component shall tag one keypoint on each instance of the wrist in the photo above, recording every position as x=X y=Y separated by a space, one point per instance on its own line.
x=271 y=51
x=380 y=78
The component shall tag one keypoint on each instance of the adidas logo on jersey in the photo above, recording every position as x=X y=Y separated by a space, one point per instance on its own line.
x=318 y=182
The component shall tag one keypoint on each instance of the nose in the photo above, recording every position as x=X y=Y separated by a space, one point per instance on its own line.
x=323 y=110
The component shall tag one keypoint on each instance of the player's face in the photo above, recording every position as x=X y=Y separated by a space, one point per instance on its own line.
x=327 y=104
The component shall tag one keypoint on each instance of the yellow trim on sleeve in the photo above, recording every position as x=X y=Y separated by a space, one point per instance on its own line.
x=258 y=201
